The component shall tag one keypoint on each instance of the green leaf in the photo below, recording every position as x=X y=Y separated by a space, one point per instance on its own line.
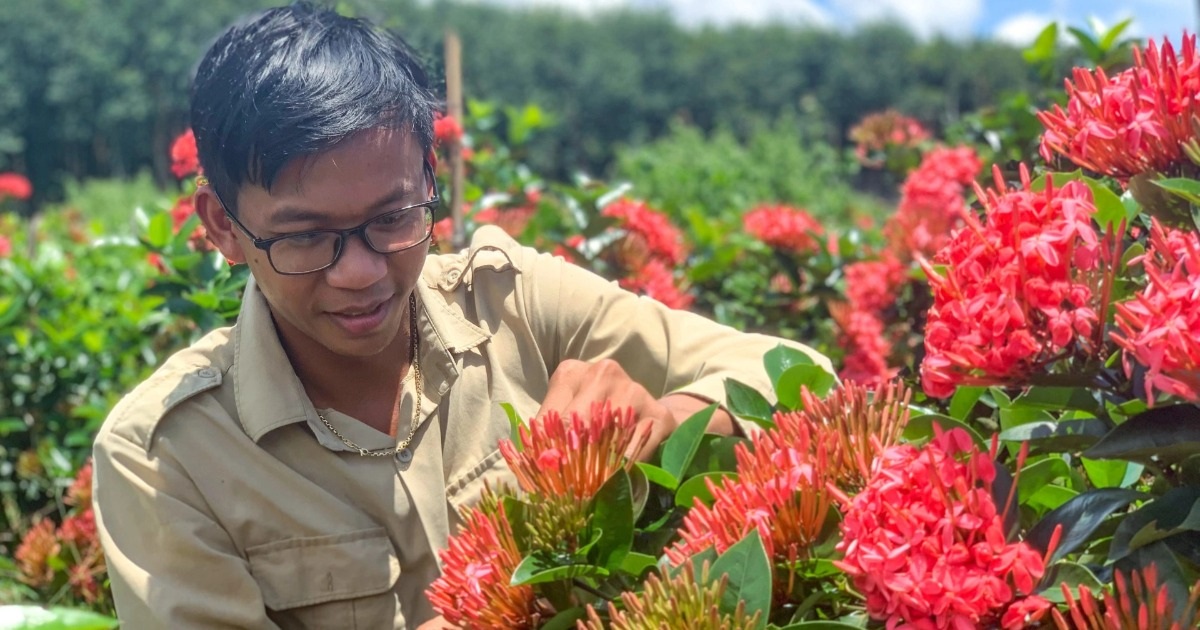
x=566 y=620
x=820 y=625
x=640 y=488
x=749 y=572
x=535 y=569
x=515 y=512
x=1057 y=398
x=637 y=563
x=1089 y=45
x=1042 y=49
x=1175 y=512
x=747 y=403
x=1109 y=39
x=1182 y=187
x=697 y=488
x=12 y=425
x=1079 y=518
x=1039 y=474
x=778 y=359
x=814 y=377
x=920 y=428
x=38 y=618
x=1073 y=575
x=612 y=513
x=515 y=423
x=964 y=401
x=1159 y=436
x=1112 y=473
x=1064 y=436
x=1048 y=498
x=1110 y=210
x=658 y=475
x=158 y=232
x=681 y=447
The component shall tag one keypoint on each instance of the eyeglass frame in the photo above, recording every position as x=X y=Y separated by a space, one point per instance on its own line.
x=265 y=244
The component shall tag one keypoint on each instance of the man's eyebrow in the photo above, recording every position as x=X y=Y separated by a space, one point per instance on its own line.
x=296 y=214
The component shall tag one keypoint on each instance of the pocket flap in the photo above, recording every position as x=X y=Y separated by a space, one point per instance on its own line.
x=313 y=570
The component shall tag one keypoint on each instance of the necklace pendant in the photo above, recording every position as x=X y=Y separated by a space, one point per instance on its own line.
x=404 y=455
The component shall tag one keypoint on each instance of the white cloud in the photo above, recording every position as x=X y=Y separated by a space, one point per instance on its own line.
x=1022 y=29
x=924 y=17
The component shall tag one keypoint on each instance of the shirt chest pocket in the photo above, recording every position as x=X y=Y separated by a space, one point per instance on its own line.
x=338 y=581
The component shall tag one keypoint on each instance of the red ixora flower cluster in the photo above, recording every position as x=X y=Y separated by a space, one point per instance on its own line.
x=446 y=128
x=15 y=185
x=924 y=542
x=878 y=132
x=185 y=160
x=871 y=288
x=649 y=253
x=932 y=202
x=75 y=543
x=1131 y=123
x=785 y=228
x=1138 y=601
x=1160 y=325
x=474 y=589
x=1018 y=289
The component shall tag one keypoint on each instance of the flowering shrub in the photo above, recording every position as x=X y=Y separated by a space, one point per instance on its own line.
x=886 y=139
x=785 y=228
x=15 y=185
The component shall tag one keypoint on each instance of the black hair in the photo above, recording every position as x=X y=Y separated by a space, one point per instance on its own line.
x=294 y=81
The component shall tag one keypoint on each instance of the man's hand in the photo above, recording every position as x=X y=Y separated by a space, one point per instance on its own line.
x=575 y=385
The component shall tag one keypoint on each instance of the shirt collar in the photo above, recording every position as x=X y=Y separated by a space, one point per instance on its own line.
x=267 y=391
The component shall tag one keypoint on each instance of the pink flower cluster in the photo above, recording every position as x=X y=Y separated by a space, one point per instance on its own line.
x=44 y=550
x=15 y=185
x=446 y=129
x=185 y=159
x=876 y=133
x=1131 y=123
x=924 y=542
x=871 y=289
x=932 y=202
x=657 y=280
x=785 y=228
x=1018 y=289
x=649 y=253
x=1159 y=327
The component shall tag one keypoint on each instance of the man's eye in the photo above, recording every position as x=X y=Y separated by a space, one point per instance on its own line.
x=307 y=239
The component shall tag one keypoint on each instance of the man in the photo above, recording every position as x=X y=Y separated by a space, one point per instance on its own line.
x=304 y=467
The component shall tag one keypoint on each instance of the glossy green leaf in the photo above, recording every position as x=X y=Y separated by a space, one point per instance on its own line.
x=1040 y=474
x=1163 y=435
x=158 y=232
x=780 y=358
x=515 y=512
x=749 y=572
x=1042 y=49
x=38 y=618
x=658 y=475
x=565 y=620
x=814 y=377
x=964 y=401
x=680 y=448
x=717 y=453
x=1057 y=398
x=612 y=513
x=1112 y=473
x=1065 y=436
x=697 y=488
x=514 y=423
x=1174 y=513
x=1079 y=518
x=1109 y=39
x=1088 y=44
x=1182 y=187
x=640 y=487
x=1073 y=575
x=1048 y=498
x=637 y=563
x=748 y=403
x=537 y=570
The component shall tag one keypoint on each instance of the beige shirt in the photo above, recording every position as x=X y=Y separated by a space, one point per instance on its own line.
x=224 y=502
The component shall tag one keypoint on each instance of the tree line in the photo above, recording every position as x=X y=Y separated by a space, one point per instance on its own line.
x=99 y=89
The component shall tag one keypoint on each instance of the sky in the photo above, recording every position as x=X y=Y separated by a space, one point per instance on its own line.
x=1016 y=21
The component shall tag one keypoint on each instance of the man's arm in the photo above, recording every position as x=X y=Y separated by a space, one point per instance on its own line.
x=171 y=564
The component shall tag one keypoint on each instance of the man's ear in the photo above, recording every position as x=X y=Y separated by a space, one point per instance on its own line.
x=221 y=230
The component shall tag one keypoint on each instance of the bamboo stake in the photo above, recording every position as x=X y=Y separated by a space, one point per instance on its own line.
x=454 y=108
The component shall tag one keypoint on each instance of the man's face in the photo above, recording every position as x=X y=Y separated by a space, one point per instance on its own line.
x=356 y=307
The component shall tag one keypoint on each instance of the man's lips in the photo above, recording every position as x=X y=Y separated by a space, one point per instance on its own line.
x=361 y=319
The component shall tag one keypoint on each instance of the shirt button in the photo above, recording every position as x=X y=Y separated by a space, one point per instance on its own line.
x=207 y=373
x=452 y=275
x=443 y=388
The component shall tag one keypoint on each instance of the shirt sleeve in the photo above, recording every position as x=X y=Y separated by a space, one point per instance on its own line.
x=170 y=563
x=665 y=350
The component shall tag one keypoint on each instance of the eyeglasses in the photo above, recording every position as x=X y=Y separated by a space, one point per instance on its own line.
x=308 y=252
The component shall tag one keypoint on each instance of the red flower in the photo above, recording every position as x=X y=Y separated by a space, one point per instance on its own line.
x=33 y=555
x=15 y=185
x=446 y=129
x=1134 y=122
x=1139 y=601
x=867 y=349
x=1160 y=325
x=573 y=457
x=184 y=158
x=80 y=492
x=1018 y=289
x=871 y=285
x=783 y=227
x=511 y=220
x=876 y=133
x=924 y=541
x=5 y=246
x=649 y=234
x=656 y=280
x=931 y=202
x=80 y=530
x=474 y=589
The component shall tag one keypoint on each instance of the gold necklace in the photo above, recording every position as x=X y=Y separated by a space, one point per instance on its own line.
x=402 y=450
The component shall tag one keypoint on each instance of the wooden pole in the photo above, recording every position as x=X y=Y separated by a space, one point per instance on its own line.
x=454 y=108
